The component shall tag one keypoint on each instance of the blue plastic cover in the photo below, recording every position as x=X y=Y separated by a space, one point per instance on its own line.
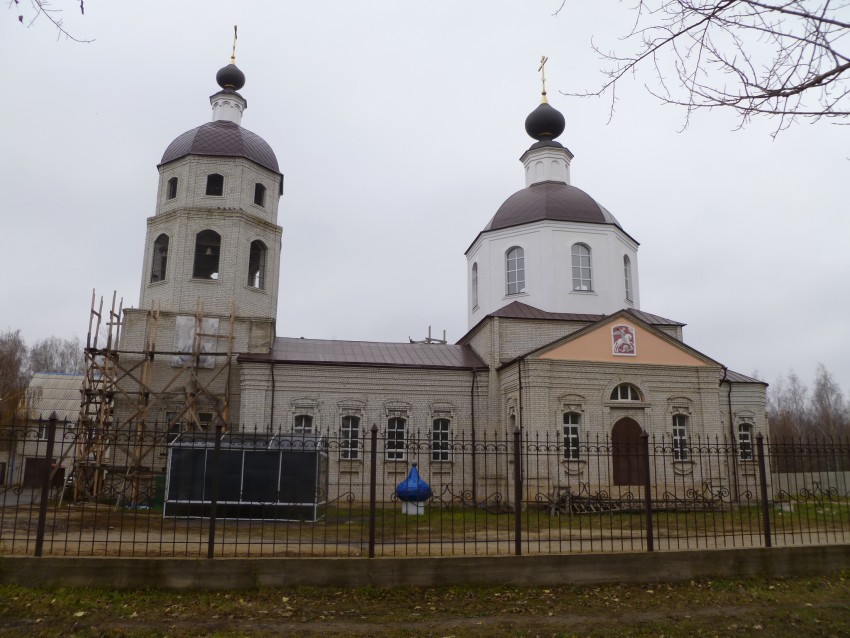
x=413 y=489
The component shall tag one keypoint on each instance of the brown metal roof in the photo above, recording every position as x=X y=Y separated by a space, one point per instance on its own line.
x=288 y=350
x=549 y=200
x=554 y=201
x=653 y=320
x=223 y=139
x=737 y=377
x=519 y=310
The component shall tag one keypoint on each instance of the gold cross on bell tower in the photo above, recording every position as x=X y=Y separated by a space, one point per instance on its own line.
x=233 y=53
x=542 y=69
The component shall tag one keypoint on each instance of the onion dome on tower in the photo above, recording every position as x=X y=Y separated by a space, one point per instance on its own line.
x=224 y=135
x=230 y=77
x=544 y=123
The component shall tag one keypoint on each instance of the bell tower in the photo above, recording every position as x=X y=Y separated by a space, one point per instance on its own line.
x=210 y=277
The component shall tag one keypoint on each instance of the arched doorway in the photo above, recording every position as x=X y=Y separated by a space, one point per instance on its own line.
x=627 y=453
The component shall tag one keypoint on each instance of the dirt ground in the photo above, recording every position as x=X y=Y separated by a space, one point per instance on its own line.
x=752 y=607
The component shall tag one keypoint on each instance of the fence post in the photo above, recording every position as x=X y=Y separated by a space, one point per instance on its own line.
x=45 y=485
x=373 y=482
x=216 y=469
x=474 y=469
x=765 y=506
x=647 y=492
x=517 y=492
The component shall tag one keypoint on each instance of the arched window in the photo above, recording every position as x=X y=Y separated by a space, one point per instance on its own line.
x=396 y=436
x=257 y=265
x=572 y=435
x=207 y=252
x=680 y=437
x=215 y=184
x=582 y=277
x=303 y=424
x=159 y=259
x=627 y=268
x=259 y=195
x=171 y=193
x=441 y=440
x=625 y=392
x=474 y=286
x=515 y=271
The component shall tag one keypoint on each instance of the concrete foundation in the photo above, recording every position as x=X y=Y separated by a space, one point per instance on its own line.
x=236 y=573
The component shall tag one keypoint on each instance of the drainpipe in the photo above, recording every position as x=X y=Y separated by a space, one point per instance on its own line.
x=472 y=398
x=271 y=412
x=519 y=403
x=732 y=438
x=472 y=436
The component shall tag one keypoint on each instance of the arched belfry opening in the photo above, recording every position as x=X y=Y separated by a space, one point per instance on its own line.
x=207 y=253
x=257 y=265
x=159 y=258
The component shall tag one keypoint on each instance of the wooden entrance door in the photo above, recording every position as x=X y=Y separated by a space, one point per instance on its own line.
x=627 y=453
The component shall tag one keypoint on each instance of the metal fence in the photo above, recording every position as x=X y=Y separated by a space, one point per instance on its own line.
x=148 y=492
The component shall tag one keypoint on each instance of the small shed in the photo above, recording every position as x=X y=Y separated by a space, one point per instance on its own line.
x=261 y=476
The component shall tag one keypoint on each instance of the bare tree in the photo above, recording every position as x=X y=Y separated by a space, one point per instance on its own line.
x=18 y=363
x=13 y=372
x=29 y=11
x=57 y=355
x=788 y=59
x=788 y=408
x=796 y=412
x=829 y=411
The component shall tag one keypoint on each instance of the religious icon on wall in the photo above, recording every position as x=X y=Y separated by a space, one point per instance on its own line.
x=623 y=338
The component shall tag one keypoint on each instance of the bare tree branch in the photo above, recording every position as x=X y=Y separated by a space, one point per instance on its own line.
x=788 y=59
x=43 y=8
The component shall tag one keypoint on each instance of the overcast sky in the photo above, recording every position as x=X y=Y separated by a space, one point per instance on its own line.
x=398 y=126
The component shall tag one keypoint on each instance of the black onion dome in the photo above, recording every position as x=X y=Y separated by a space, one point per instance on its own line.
x=544 y=122
x=223 y=139
x=230 y=77
x=554 y=201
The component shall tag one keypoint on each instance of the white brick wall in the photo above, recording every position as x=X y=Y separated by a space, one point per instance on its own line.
x=179 y=291
x=238 y=221
x=240 y=175
x=547 y=247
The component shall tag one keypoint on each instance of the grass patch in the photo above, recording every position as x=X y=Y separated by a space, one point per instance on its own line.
x=739 y=607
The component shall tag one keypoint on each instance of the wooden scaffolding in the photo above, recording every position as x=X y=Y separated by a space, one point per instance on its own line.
x=124 y=444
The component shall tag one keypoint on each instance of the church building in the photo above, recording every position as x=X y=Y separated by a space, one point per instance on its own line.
x=557 y=343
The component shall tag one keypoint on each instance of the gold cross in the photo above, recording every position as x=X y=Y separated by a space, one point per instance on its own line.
x=542 y=69
x=233 y=54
